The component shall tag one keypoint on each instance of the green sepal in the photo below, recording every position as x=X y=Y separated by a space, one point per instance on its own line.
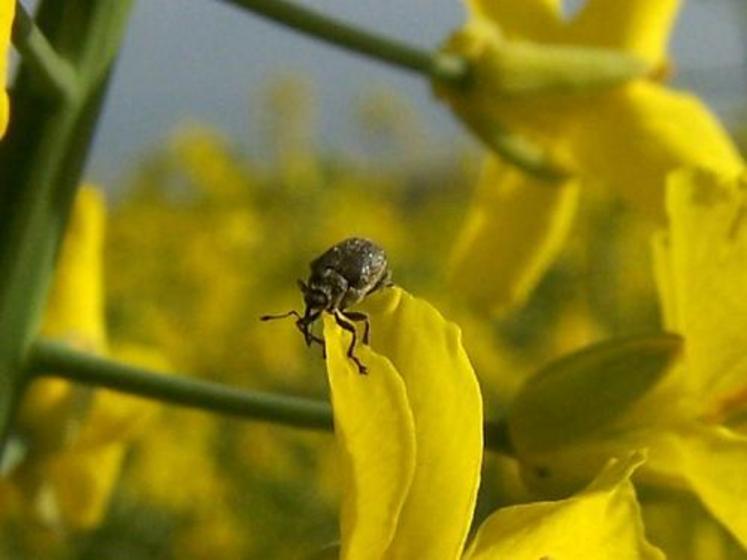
x=521 y=68
x=581 y=394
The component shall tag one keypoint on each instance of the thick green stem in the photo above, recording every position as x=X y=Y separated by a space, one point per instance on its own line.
x=41 y=159
x=56 y=76
x=447 y=68
x=48 y=358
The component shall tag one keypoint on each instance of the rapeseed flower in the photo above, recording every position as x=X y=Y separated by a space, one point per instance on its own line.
x=7 y=10
x=626 y=137
x=410 y=437
x=689 y=418
x=77 y=436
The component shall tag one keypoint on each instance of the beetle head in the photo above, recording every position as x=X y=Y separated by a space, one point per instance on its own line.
x=324 y=290
x=315 y=297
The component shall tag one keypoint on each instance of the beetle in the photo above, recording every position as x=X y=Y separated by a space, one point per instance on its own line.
x=341 y=277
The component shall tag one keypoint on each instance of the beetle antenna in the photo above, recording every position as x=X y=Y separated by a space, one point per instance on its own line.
x=291 y=313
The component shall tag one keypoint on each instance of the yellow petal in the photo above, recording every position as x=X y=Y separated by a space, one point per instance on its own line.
x=707 y=252
x=75 y=310
x=602 y=521
x=641 y=27
x=684 y=529
x=533 y=19
x=376 y=436
x=633 y=137
x=711 y=461
x=513 y=232
x=7 y=10
x=79 y=485
x=446 y=405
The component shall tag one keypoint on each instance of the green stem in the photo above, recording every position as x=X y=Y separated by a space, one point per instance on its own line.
x=41 y=159
x=48 y=358
x=444 y=67
x=55 y=74
x=449 y=69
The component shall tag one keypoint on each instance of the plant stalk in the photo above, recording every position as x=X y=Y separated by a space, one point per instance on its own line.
x=49 y=358
x=41 y=160
x=447 y=68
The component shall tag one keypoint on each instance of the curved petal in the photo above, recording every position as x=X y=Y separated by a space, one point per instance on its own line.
x=634 y=137
x=446 y=405
x=376 y=435
x=7 y=9
x=706 y=253
x=711 y=461
x=532 y=19
x=641 y=27
x=602 y=521
x=516 y=227
x=75 y=308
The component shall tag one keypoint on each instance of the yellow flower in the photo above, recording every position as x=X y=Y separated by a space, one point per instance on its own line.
x=627 y=137
x=7 y=9
x=410 y=437
x=77 y=436
x=513 y=231
x=687 y=421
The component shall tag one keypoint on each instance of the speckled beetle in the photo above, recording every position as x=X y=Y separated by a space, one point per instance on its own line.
x=341 y=277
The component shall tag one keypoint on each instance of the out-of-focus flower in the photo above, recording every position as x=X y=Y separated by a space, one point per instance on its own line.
x=513 y=232
x=181 y=442
x=687 y=420
x=209 y=163
x=627 y=137
x=7 y=10
x=76 y=437
x=410 y=437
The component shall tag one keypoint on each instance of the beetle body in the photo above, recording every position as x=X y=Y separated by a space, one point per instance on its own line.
x=341 y=277
x=345 y=274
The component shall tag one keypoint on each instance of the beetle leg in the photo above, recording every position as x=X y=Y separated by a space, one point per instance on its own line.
x=320 y=341
x=351 y=329
x=309 y=336
x=304 y=325
x=280 y=316
x=358 y=316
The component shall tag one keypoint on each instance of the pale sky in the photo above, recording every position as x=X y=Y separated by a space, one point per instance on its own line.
x=205 y=61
